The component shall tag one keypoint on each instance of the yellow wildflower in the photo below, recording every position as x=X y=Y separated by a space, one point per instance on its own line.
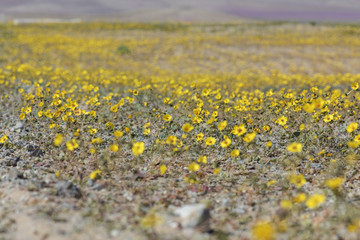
x=249 y=137
x=222 y=125
x=118 y=134
x=114 y=148
x=226 y=142
x=194 y=167
x=315 y=200
x=3 y=139
x=234 y=153
x=294 y=147
x=95 y=174
x=72 y=145
x=352 y=127
x=263 y=230
x=355 y=86
x=167 y=117
x=298 y=180
x=239 y=130
x=58 y=139
x=281 y=120
x=163 y=169
x=334 y=182
x=187 y=127
x=138 y=148
x=202 y=159
x=210 y=141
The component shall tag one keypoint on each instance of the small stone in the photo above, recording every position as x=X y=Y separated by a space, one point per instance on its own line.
x=18 y=126
x=12 y=162
x=114 y=233
x=194 y=216
x=15 y=174
x=67 y=189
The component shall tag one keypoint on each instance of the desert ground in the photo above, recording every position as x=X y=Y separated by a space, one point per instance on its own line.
x=178 y=130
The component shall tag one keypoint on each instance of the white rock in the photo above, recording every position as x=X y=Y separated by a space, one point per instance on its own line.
x=193 y=216
x=18 y=126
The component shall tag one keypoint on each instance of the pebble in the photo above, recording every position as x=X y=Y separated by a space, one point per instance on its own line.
x=194 y=216
x=67 y=189
x=15 y=174
x=18 y=126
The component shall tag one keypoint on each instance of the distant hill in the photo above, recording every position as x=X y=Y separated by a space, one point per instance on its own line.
x=185 y=10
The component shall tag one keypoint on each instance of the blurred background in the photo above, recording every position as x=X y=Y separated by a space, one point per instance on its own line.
x=182 y=10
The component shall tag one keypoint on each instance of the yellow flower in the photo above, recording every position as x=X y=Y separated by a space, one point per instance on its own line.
x=294 y=147
x=138 y=148
x=146 y=131
x=266 y=128
x=114 y=108
x=171 y=140
x=95 y=174
x=249 y=137
x=309 y=108
x=263 y=230
x=352 y=127
x=357 y=138
x=92 y=150
x=328 y=118
x=216 y=171
x=226 y=142
x=315 y=200
x=353 y=226
x=353 y=144
x=286 y=204
x=301 y=197
x=234 y=153
x=109 y=125
x=3 y=139
x=187 y=127
x=319 y=103
x=271 y=182
x=205 y=92
x=72 y=145
x=118 y=134
x=281 y=120
x=202 y=159
x=222 y=125
x=58 y=139
x=355 y=86
x=210 y=141
x=194 y=167
x=239 y=130
x=167 y=117
x=334 y=182
x=163 y=169
x=269 y=144
x=302 y=127
x=28 y=110
x=93 y=130
x=96 y=140
x=298 y=180
x=22 y=116
x=199 y=136
x=114 y=148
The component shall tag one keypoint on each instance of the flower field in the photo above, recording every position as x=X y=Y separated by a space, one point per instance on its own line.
x=258 y=121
